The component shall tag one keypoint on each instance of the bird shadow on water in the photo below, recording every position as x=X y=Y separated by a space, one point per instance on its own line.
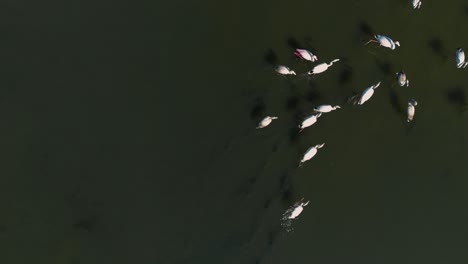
x=294 y=128
x=286 y=191
x=365 y=28
x=294 y=134
x=313 y=96
x=385 y=67
x=395 y=102
x=257 y=109
x=293 y=43
x=437 y=47
x=271 y=58
x=365 y=31
x=345 y=76
x=456 y=96
x=292 y=103
x=309 y=43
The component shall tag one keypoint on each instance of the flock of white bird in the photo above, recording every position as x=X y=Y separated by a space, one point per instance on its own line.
x=383 y=41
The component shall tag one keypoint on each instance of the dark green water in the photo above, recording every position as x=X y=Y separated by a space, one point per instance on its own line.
x=128 y=133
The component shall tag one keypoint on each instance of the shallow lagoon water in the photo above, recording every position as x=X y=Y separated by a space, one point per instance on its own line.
x=128 y=133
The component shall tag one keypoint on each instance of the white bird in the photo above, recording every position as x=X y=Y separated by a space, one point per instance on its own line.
x=305 y=54
x=460 y=58
x=411 y=109
x=322 y=67
x=266 y=121
x=281 y=69
x=385 y=42
x=298 y=210
x=310 y=120
x=325 y=108
x=416 y=4
x=401 y=79
x=310 y=153
x=367 y=94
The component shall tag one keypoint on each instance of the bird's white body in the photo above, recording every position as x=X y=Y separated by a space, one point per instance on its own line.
x=460 y=58
x=401 y=79
x=326 y=108
x=310 y=153
x=367 y=94
x=298 y=210
x=322 y=67
x=305 y=54
x=281 y=69
x=266 y=121
x=416 y=4
x=411 y=110
x=310 y=120
x=387 y=42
